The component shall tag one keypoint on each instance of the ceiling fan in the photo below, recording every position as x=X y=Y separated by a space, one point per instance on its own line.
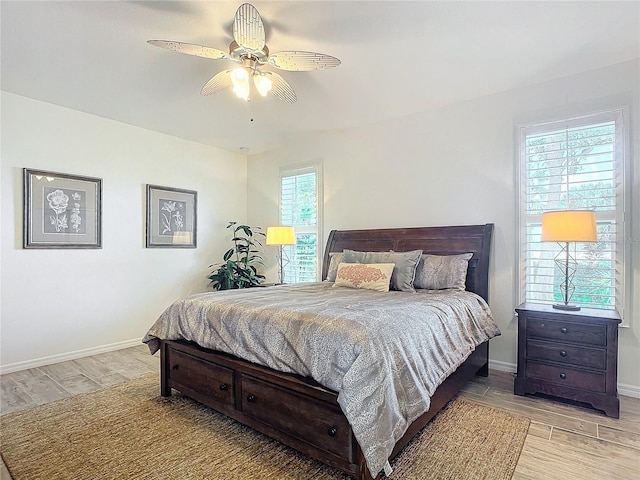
x=250 y=51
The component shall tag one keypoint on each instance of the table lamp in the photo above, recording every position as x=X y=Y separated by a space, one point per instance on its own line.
x=566 y=226
x=281 y=236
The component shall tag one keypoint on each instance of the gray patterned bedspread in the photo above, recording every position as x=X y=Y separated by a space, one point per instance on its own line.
x=383 y=352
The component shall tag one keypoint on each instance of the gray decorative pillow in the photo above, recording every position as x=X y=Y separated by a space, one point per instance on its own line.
x=336 y=258
x=404 y=271
x=436 y=272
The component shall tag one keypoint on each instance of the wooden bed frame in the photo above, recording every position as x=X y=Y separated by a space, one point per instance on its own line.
x=298 y=411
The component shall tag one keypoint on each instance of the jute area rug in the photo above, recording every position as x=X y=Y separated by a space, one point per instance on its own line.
x=130 y=432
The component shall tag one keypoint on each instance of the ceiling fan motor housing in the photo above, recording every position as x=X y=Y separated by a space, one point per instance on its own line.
x=240 y=53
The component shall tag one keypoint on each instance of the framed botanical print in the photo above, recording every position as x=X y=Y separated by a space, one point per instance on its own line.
x=61 y=210
x=171 y=217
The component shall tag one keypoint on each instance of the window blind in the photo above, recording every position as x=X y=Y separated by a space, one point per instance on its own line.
x=299 y=209
x=574 y=164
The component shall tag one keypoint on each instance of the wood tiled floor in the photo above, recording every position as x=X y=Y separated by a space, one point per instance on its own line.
x=564 y=442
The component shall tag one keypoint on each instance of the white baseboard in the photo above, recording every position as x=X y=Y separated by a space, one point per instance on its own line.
x=502 y=366
x=63 y=357
x=628 y=390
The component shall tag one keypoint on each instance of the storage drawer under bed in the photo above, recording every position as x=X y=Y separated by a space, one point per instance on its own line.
x=318 y=423
x=206 y=378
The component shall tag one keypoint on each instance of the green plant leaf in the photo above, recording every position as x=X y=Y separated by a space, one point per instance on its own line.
x=238 y=268
x=247 y=230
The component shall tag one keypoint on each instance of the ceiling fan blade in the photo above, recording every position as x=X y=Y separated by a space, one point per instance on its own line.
x=190 y=49
x=280 y=88
x=248 y=29
x=295 y=61
x=218 y=82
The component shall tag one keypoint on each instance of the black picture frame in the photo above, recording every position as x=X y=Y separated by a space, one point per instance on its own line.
x=171 y=217
x=61 y=210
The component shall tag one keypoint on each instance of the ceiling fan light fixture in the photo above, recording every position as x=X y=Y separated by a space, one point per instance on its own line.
x=263 y=84
x=240 y=76
x=248 y=48
x=242 y=91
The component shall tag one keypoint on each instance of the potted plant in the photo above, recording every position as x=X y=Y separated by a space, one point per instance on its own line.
x=238 y=268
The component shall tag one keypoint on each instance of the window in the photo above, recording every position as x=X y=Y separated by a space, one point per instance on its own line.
x=300 y=207
x=577 y=163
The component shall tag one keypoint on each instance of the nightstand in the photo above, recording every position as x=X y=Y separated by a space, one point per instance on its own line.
x=569 y=354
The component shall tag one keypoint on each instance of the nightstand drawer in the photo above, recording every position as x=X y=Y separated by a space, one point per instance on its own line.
x=567 y=332
x=567 y=354
x=569 y=377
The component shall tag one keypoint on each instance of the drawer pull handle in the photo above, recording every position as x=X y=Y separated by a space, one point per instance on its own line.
x=251 y=398
x=332 y=431
x=563 y=376
x=564 y=330
x=563 y=353
x=175 y=367
x=224 y=387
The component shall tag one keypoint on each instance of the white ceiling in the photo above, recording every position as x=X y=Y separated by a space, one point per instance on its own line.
x=397 y=58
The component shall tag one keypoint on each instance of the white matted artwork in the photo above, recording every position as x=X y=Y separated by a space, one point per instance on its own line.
x=61 y=210
x=171 y=217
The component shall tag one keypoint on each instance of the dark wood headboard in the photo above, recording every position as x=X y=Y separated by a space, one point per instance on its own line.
x=449 y=240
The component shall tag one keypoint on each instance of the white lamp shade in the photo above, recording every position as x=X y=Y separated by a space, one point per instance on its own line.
x=240 y=76
x=263 y=84
x=569 y=226
x=242 y=91
x=281 y=236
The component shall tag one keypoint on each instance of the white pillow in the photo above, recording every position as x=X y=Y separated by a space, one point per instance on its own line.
x=370 y=276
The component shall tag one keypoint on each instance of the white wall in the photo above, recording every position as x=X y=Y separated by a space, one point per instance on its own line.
x=60 y=304
x=455 y=165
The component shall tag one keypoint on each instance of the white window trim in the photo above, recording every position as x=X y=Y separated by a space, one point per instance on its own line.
x=300 y=169
x=623 y=147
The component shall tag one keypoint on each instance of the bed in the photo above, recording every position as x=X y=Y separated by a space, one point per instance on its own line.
x=303 y=405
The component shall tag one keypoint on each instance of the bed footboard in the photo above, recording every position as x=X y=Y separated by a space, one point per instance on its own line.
x=268 y=400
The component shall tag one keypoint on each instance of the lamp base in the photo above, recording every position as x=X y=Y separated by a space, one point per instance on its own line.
x=562 y=306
